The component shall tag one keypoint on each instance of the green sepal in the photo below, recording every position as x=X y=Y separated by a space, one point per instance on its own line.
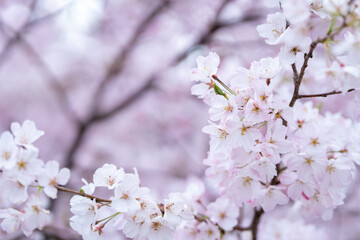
x=39 y=189
x=218 y=91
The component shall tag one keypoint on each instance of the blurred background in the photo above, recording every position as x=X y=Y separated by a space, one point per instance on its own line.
x=108 y=82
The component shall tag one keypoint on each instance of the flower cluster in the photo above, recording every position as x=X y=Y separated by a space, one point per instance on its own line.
x=213 y=220
x=321 y=164
x=263 y=152
x=266 y=147
x=23 y=176
x=295 y=25
x=255 y=137
x=133 y=209
x=247 y=133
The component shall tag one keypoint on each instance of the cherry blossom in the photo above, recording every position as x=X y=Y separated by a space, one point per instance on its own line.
x=12 y=219
x=271 y=140
x=295 y=42
x=296 y=11
x=26 y=133
x=108 y=176
x=126 y=193
x=53 y=177
x=8 y=151
x=208 y=231
x=224 y=213
x=274 y=29
x=206 y=67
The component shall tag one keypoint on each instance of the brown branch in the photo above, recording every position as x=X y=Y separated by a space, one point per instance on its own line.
x=97 y=199
x=130 y=100
x=255 y=223
x=297 y=78
x=150 y=82
x=334 y=92
x=80 y=133
x=241 y=229
x=199 y=218
x=118 y=63
x=295 y=72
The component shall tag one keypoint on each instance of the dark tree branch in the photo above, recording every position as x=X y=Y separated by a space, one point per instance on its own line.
x=203 y=39
x=130 y=100
x=97 y=199
x=118 y=63
x=297 y=78
x=96 y=117
x=334 y=92
x=80 y=133
x=295 y=72
x=255 y=223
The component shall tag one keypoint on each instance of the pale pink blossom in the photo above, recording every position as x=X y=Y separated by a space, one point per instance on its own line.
x=126 y=193
x=223 y=212
x=35 y=217
x=295 y=42
x=296 y=11
x=12 y=219
x=208 y=231
x=108 y=176
x=206 y=67
x=50 y=177
x=8 y=150
x=272 y=196
x=25 y=134
x=274 y=28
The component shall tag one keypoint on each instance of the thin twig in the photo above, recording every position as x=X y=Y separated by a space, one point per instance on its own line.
x=297 y=78
x=97 y=199
x=334 y=92
x=295 y=72
x=117 y=64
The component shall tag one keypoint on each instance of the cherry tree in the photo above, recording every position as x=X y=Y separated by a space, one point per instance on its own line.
x=271 y=148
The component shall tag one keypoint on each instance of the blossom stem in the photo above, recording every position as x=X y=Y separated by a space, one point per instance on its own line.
x=97 y=199
x=223 y=84
x=108 y=218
